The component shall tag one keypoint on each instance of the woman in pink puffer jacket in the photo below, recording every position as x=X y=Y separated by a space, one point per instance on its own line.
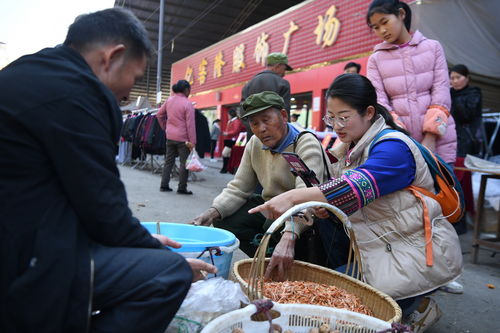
x=411 y=77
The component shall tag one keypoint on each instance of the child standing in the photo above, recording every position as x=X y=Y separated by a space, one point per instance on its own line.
x=410 y=75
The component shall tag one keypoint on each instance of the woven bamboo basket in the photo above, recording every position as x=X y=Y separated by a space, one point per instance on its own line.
x=250 y=272
x=382 y=305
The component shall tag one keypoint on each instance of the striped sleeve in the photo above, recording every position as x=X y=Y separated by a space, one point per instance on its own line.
x=353 y=190
x=389 y=168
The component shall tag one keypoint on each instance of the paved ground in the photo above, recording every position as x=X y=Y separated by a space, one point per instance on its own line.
x=477 y=310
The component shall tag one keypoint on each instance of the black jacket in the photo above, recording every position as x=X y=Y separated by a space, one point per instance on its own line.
x=60 y=190
x=466 y=109
x=268 y=81
x=202 y=133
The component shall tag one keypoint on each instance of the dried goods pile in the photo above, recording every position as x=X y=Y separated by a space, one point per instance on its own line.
x=301 y=292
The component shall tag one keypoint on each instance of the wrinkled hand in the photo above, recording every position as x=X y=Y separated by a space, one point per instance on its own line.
x=200 y=268
x=207 y=218
x=321 y=212
x=429 y=141
x=189 y=145
x=282 y=258
x=167 y=241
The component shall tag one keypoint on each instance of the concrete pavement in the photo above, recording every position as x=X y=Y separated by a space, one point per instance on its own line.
x=476 y=310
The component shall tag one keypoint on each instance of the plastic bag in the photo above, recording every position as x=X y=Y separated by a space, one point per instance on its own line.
x=193 y=162
x=205 y=301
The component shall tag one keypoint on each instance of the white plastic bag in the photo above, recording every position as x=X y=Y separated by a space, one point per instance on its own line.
x=205 y=301
x=193 y=162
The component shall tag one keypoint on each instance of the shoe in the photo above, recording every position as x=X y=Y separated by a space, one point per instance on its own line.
x=213 y=160
x=223 y=171
x=427 y=314
x=165 y=189
x=453 y=287
x=184 y=192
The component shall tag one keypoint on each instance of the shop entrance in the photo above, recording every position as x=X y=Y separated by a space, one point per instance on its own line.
x=301 y=105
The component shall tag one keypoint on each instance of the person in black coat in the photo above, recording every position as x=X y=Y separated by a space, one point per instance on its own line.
x=69 y=245
x=202 y=134
x=466 y=108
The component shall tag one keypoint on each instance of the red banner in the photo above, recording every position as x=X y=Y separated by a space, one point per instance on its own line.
x=313 y=33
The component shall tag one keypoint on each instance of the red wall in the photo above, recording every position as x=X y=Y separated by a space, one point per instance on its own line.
x=315 y=67
x=354 y=38
x=315 y=80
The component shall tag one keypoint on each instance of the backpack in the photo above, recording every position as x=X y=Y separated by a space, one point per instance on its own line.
x=449 y=193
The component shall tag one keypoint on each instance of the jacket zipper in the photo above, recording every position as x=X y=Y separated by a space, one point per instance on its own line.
x=89 y=310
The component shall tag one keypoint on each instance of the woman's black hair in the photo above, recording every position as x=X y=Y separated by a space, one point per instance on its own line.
x=181 y=86
x=357 y=91
x=460 y=69
x=389 y=7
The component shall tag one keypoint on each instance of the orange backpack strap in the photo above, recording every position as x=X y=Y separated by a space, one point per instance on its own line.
x=427 y=224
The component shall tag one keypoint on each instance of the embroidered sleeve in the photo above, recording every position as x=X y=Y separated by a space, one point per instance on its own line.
x=339 y=193
x=389 y=168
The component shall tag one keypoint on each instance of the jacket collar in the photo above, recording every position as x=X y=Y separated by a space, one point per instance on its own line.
x=416 y=39
x=342 y=150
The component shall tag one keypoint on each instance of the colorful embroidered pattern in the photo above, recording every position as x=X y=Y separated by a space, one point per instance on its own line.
x=363 y=184
x=339 y=193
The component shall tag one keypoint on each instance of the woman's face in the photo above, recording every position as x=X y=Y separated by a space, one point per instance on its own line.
x=458 y=81
x=388 y=27
x=349 y=125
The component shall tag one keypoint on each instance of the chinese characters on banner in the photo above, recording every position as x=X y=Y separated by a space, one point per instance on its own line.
x=326 y=31
x=293 y=27
x=328 y=28
x=218 y=63
x=189 y=75
x=239 y=58
x=202 y=71
x=261 y=49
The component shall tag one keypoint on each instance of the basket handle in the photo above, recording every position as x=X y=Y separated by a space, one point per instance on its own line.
x=298 y=208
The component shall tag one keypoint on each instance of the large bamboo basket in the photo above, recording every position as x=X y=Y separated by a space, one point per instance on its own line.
x=382 y=305
x=250 y=272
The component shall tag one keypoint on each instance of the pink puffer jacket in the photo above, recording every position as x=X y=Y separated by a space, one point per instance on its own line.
x=413 y=83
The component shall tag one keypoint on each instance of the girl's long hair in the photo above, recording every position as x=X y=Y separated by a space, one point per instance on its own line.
x=357 y=91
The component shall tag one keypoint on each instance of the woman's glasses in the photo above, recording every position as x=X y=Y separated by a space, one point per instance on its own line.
x=330 y=121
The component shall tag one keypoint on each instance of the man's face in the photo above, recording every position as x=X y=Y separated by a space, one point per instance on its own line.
x=270 y=126
x=123 y=74
x=279 y=69
x=351 y=70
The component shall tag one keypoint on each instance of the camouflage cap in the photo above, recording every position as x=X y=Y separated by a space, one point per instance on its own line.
x=261 y=102
x=278 y=58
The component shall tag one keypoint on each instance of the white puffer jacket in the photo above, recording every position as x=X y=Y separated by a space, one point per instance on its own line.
x=390 y=233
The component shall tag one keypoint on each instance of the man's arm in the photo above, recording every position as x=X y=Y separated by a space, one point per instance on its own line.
x=78 y=139
x=310 y=151
x=240 y=188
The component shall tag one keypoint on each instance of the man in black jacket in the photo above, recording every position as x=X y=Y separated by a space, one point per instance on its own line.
x=69 y=245
x=271 y=79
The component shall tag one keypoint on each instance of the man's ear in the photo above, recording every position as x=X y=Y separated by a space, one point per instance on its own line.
x=113 y=55
x=284 y=115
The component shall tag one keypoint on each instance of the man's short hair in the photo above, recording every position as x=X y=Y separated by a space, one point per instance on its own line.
x=109 y=26
x=353 y=64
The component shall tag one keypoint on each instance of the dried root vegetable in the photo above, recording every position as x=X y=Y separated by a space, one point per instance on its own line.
x=301 y=292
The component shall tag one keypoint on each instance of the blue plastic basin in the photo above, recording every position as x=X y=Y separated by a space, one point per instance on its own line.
x=196 y=239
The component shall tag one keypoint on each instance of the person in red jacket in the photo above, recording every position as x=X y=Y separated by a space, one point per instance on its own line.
x=233 y=128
